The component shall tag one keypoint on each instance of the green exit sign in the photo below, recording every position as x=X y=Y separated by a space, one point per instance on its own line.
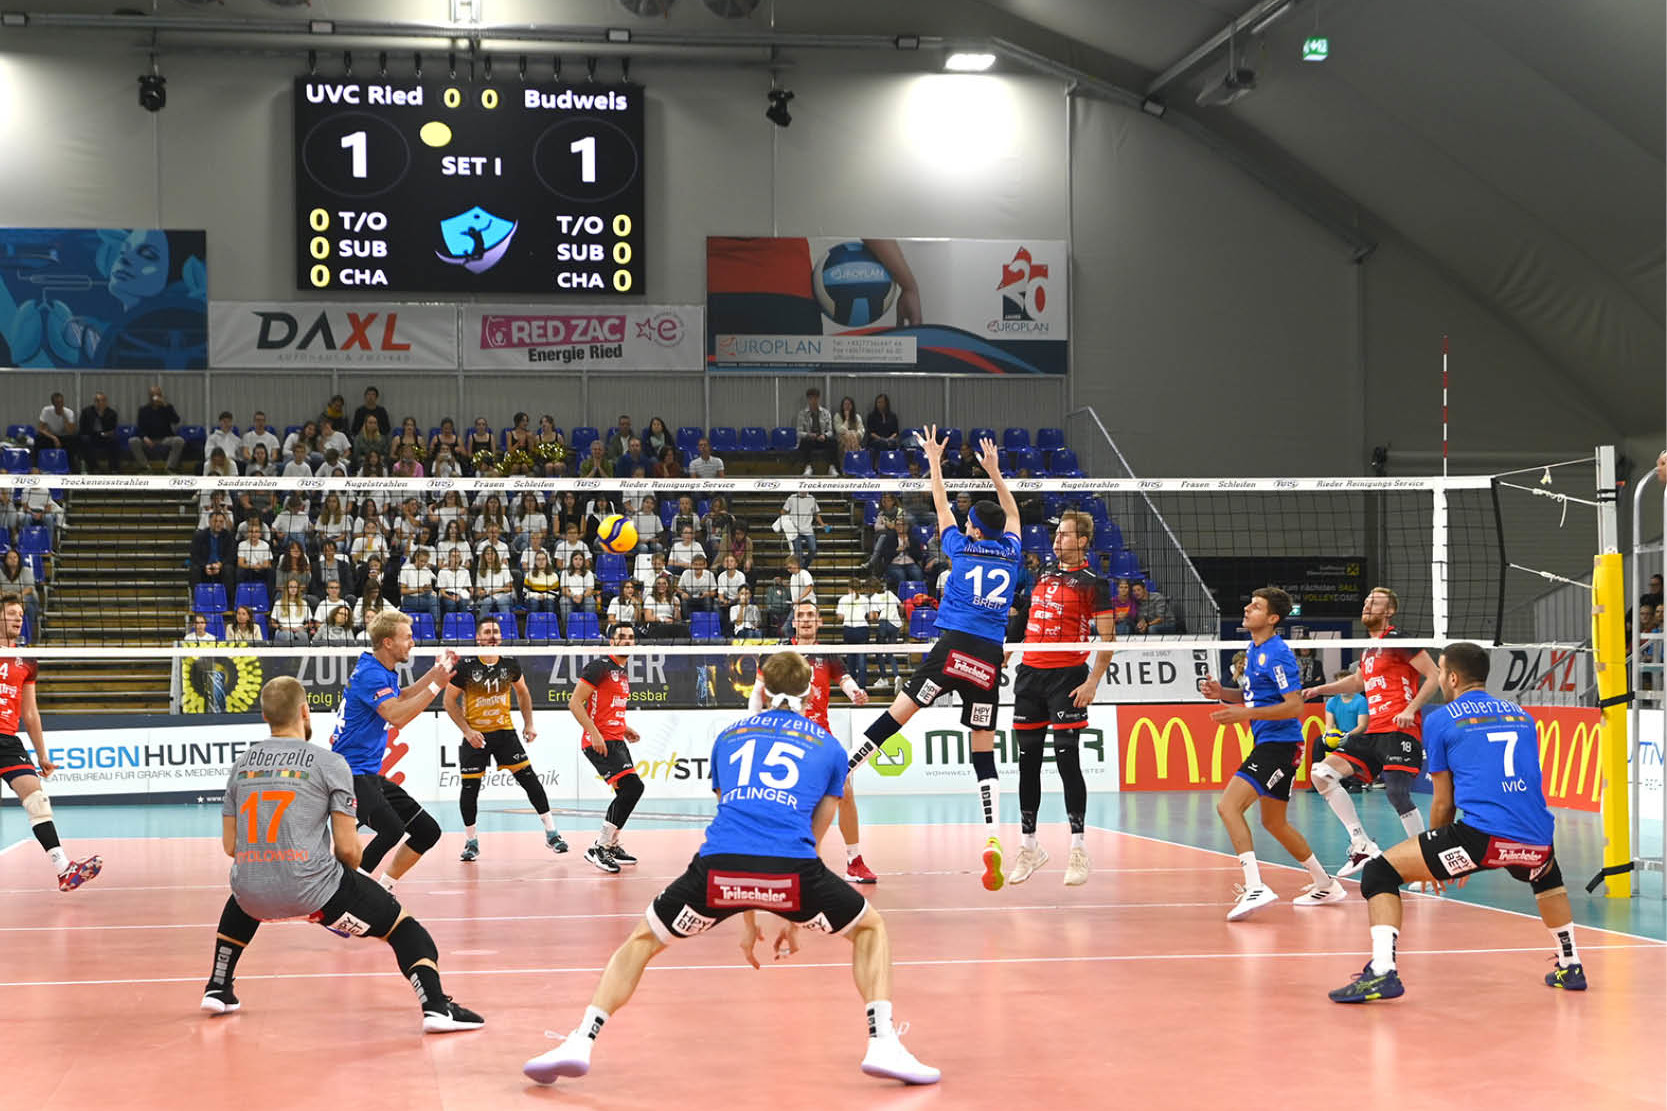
x=1316 y=49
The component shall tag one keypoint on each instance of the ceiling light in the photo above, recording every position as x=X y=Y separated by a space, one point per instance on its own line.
x=962 y=62
x=619 y=34
x=907 y=42
x=14 y=19
x=322 y=26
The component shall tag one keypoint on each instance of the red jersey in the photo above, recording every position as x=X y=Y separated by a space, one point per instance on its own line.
x=611 y=691
x=826 y=672
x=1063 y=606
x=15 y=674
x=1391 y=683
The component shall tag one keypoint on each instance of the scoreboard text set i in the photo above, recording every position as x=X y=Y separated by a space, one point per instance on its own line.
x=450 y=187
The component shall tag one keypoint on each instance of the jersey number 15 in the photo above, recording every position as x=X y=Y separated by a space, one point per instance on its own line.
x=781 y=755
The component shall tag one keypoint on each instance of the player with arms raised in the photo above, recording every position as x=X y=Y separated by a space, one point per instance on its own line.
x=972 y=623
x=18 y=707
x=477 y=700
x=1391 y=748
x=1271 y=701
x=825 y=671
x=598 y=705
x=1054 y=689
x=778 y=777
x=1484 y=760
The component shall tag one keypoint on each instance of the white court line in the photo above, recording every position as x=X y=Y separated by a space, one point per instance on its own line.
x=17 y=844
x=843 y=966
x=1416 y=894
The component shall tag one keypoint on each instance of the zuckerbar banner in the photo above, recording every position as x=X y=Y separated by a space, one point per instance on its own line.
x=332 y=334
x=579 y=337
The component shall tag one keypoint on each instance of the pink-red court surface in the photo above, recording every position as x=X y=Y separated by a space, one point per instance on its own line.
x=1131 y=991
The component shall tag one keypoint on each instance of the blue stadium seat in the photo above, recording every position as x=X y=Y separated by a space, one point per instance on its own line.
x=857 y=465
x=1064 y=461
x=870 y=512
x=264 y=625
x=20 y=432
x=754 y=438
x=910 y=589
x=705 y=626
x=952 y=439
x=922 y=533
x=582 y=438
x=194 y=435
x=217 y=626
x=510 y=625
x=124 y=433
x=54 y=460
x=458 y=628
x=668 y=510
x=703 y=506
x=1015 y=438
x=979 y=435
x=724 y=440
x=688 y=438
x=254 y=596
x=784 y=438
x=208 y=598
x=289 y=430
x=37 y=564
x=610 y=566
x=422 y=626
x=1055 y=504
x=1125 y=564
x=34 y=540
x=1029 y=459
x=542 y=628
x=891 y=464
x=1050 y=439
x=1034 y=538
x=923 y=623
x=16 y=460
x=583 y=626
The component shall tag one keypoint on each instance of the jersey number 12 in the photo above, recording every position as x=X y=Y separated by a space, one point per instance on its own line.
x=1000 y=580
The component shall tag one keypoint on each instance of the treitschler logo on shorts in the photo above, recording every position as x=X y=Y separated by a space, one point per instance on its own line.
x=752 y=891
x=971 y=668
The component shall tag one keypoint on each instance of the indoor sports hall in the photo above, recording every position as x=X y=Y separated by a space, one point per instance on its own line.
x=1208 y=454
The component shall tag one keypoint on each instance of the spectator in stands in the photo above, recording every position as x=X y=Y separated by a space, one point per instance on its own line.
x=739 y=545
x=662 y=606
x=697 y=588
x=409 y=435
x=963 y=464
x=297 y=466
x=1156 y=618
x=334 y=523
x=491 y=513
x=669 y=465
x=293 y=523
x=1649 y=648
x=337 y=628
x=626 y=607
x=1124 y=609
x=291 y=616
x=371 y=408
x=596 y=463
x=56 y=428
x=219 y=464
x=882 y=429
x=493 y=541
x=494 y=587
x=479 y=439
x=548 y=433
x=685 y=517
x=39 y=508
x=745 y=621
x=705 y=464
x=330 y=567
x=716 y=525
x=1236 y=668
x=225 y=440
x=17 y=576
x=370 y=543
x=98 y=433
x=199 y=633
x=243 y=628
x=292 y=567
x=306 y=438
x=369 y=439
x=1033 y=510
x=259 y=435
x=619 y=440
x=214 y=553
x=658 y=438
x=542 y=584
x=801 y=587
x=569 y=510
x=528 y=518
x=898 y=556
x=730 y=580
x=406 y=466
x=416 y=587
x=649 y=566
x=816 y=433
x=334 y=465
x=254 y=557
x=962 y=507
x=445 y=465
x=854 y=610
x=408 y=524
x=331 y=437
x=849 y=428
x=1652 y=596
x=778 y=604
x=455 y=584
x=887 y=612
x=373 y=465
x=800 y=517
x=334 y=597
x=683 y=552
x=889 y=513
x=1310 y=669
x=570 y=544
x=650 y=531
x=334 y=411
x=578 y=587
x=632 y=459
x=370 y=604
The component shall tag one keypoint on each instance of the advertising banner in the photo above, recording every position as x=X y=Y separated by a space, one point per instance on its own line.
x=1178 y=747
x=359 y=334
x=1144 y=674
x=1569 y=770
x=939 y=306
x=104 y=298
x=154 y=761
x=934 y=753
x=1543 y=675
x=577 y=337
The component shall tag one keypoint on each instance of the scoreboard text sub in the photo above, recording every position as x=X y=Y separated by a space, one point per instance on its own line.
x=445 y=187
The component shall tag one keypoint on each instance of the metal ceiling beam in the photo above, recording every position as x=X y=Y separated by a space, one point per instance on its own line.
x=1254 y=21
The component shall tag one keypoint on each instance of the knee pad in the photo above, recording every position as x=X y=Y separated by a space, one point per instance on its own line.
x=1066 y=739
x=629 y=789
x=1549 y=882
x=1379 y=878
x=1397 y=786
x=1324 y=777
x=412 y=943
x=423 y=833
x=1030 y=741
x=38 y=807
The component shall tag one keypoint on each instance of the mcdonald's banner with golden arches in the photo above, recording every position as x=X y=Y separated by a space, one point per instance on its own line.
x=1569 y=769
x=1178 y=747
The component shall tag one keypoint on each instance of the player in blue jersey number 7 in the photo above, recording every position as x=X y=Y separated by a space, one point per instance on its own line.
x=972 y=623
x=1484 y=759
x=778 y=777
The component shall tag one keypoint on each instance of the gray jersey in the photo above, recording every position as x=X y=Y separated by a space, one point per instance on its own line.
x=281 y=794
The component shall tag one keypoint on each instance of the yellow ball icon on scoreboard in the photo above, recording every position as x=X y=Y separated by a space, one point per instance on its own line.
x=435 y=133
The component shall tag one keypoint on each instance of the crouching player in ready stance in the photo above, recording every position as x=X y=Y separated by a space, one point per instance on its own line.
x=778 y=777
x=288 y=823
x=1484 y=755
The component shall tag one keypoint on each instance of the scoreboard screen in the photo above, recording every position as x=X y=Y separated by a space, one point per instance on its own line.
x=448 y=187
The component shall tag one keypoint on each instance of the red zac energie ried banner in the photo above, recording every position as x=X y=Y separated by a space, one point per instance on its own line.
x=1178 y=748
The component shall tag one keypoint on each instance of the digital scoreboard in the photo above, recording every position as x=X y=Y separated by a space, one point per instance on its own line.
x=450 y=187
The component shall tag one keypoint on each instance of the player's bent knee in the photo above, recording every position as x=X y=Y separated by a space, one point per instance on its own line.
x=1325 y=777
x=1379 y=878
x=38 y=807
x=1397 y=787
x=412 y=944
x=423 y=833
x=1549 y=883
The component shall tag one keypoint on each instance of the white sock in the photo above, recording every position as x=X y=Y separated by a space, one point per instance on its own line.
x=1029 y=841
x=610 y=834
x=591 y=1025
x=60 y=859
x=879 y=1019
x=1413 y=822
x=1343 y=806
x=469 y=833
x=1383 y=948
x=852 y=851
x=549 y=821
x=1252 y=872
x=1079 y=841
x=1563 y=938
x=1317 y=871
x=387 y=882
x=989 y=795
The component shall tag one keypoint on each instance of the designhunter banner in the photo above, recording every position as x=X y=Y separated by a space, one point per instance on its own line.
x=104 y=298
x=576 y=337
x=333 y=333
x=938 y=306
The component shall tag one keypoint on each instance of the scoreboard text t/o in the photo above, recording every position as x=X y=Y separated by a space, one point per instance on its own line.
x=447 y=187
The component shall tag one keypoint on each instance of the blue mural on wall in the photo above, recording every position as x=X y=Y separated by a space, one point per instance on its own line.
x=111 y=298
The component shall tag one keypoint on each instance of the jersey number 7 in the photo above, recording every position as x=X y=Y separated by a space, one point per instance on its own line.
x=1509 y=739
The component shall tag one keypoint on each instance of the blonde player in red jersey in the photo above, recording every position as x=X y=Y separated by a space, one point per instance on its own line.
x=17 y=706
x=825 y=671
x=1392 y=746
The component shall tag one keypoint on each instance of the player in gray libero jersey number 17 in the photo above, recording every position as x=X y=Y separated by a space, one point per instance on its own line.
x=289 y=826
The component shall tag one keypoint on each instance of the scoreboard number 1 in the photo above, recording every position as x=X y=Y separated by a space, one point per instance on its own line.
x=586 y=150
x=355 y=142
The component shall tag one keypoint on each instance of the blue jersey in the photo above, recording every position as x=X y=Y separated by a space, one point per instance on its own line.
x=361 y=734
x=770 y=771
x=982 y=585
x=1493 y=750
x=1271 y=673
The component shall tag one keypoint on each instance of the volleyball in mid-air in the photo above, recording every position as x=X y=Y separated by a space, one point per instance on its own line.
x=616 y=534
x=853 y=287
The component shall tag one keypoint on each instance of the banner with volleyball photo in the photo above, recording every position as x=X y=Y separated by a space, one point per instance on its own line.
x=937 y=306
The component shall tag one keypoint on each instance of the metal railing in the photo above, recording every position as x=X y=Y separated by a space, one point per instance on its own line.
x=1645 y=757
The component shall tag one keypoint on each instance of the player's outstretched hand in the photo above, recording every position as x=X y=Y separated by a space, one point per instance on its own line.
x=529 y=735
x=860 y=698
x=930 y=444
x=988 y=457
x=448 y=660
x=475 y=737
x=787 y=942
x=1211 y=689
x=750 y=933
x=1227 y=715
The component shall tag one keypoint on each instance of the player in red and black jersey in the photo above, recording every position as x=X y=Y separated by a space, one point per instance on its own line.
x=826 y=672
x=1054 y=689
x=1392 y=747
x=17 y=706
x=598 y=704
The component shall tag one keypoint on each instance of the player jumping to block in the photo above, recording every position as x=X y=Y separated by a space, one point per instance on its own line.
x=778 y=776
x=477 y=700
x=1484 y=760
x=598 y=705
x=972 y=623
x=1391 y=748
x=18 y=707
x=1272 y=704
x=288 y=823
